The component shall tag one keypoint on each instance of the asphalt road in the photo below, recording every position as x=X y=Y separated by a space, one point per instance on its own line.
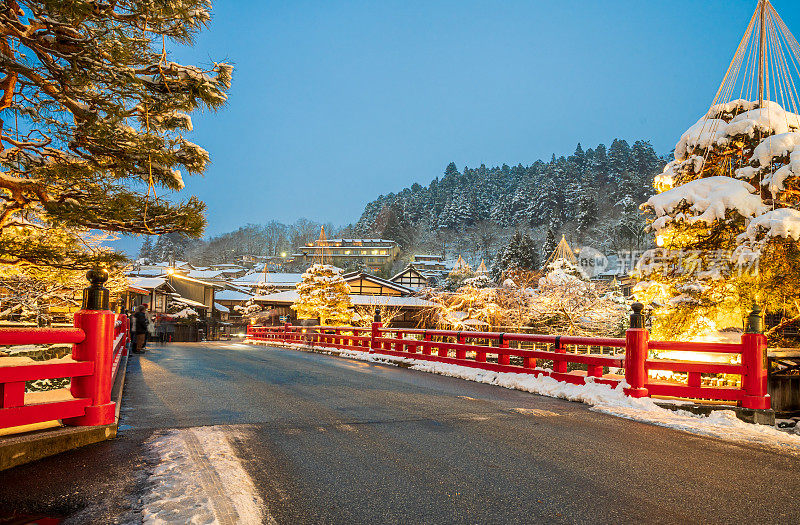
x=331 y=440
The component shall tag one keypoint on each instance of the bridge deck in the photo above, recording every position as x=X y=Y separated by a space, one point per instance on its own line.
x=338 y=441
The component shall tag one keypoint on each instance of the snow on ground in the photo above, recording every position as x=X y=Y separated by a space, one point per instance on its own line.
x=198 y=479
x=722 y=424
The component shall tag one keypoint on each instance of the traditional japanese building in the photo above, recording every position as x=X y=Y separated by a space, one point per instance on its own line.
x=346 y=253
x=367 y=292
x=411 y=277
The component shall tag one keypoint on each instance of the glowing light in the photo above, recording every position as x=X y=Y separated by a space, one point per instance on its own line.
x=283 y=254
x=170 y=271
x=660 y=240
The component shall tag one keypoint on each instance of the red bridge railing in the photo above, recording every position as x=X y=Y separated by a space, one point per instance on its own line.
x=99 y=341
x=565 y=358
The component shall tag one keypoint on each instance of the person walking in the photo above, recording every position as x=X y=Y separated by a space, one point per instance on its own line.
x=141 y=323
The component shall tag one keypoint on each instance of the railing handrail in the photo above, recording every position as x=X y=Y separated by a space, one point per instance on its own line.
x=696 y=346
x=634 y=358
x=41 y=336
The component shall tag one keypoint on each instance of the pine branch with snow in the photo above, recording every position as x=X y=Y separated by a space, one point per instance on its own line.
x=102 y=111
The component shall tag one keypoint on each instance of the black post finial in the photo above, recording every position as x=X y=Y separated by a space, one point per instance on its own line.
x=377 y=317
x=95 y=297
x=637 y=319
x=755 y=322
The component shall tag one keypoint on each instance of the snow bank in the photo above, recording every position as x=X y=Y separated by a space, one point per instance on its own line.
x=721 y=424
x=709 y=200
x=198 y=479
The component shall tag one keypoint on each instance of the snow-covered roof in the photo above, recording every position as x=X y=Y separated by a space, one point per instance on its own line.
x=430 y=263
x=205 y=274
x=354 y=276
x=177 y=264
x=232 y=295
x=177 y=275
x=291 y=296
x=277 y=279
x=148 y=283
x=350 y=241
x=221 y=308
x=184 y=300
x=150 y=272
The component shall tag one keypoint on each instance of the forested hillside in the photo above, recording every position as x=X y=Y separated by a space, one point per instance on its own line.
x=592 y=196
x=272 y=238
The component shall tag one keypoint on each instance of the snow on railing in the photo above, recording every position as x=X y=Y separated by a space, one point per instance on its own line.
x=565 y=358
x=99 y=341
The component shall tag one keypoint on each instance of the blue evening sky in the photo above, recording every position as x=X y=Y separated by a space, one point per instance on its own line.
x=336 y=102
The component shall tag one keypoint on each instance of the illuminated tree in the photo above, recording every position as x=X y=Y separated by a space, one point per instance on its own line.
x=323 y=295
x=727 y=216
x=39 y=293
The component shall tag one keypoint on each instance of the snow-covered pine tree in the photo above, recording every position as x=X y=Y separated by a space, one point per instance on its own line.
x=550 y=244
x=728 y=203
x=519 y=256
x=619 y=160
x=728 y=208
x=587 y=213
x=146 y=250
x=323 y=295
x=171 y=247
x=395 y=228
x=599 y=164
x=102 y=111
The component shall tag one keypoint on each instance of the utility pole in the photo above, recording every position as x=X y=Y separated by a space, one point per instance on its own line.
x=761 y=54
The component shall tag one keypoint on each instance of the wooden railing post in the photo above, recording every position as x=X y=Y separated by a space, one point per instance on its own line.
x=461 y=353
x=636 y=346
x=503 y=359
x=754 y=356
x=480 y=355
x=126 y=330
x=426 y=348
x=374 y=336
x=529 y=362
x=559 y=365
x=97 y=322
